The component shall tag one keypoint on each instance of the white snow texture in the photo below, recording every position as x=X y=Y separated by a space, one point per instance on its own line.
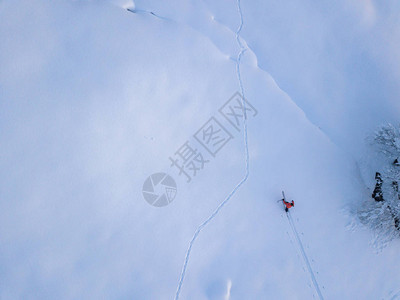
x=95 y=96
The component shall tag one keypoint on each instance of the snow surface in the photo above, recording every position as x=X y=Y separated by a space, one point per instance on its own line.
x=94 y=98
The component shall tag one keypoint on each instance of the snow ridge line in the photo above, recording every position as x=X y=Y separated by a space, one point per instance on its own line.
x=135 y=11
x=244 y=179
x=307 y=262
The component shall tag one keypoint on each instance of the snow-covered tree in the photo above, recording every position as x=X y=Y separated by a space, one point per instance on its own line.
x=387 y=142
x=383 y=214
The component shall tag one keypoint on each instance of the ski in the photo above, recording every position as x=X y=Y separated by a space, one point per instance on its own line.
x=283 y=202
x=280 y=200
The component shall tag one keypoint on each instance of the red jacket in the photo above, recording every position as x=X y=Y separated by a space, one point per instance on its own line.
x=288 y=204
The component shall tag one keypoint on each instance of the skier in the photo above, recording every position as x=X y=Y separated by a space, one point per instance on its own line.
x=288 y=204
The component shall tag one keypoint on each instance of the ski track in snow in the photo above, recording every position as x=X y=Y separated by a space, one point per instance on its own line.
x=244 y=179
x=307 y=262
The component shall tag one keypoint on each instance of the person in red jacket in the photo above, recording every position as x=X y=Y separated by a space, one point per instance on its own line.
x=288 y=204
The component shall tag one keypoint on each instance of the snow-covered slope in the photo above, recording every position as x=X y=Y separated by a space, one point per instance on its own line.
x=95 y=98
